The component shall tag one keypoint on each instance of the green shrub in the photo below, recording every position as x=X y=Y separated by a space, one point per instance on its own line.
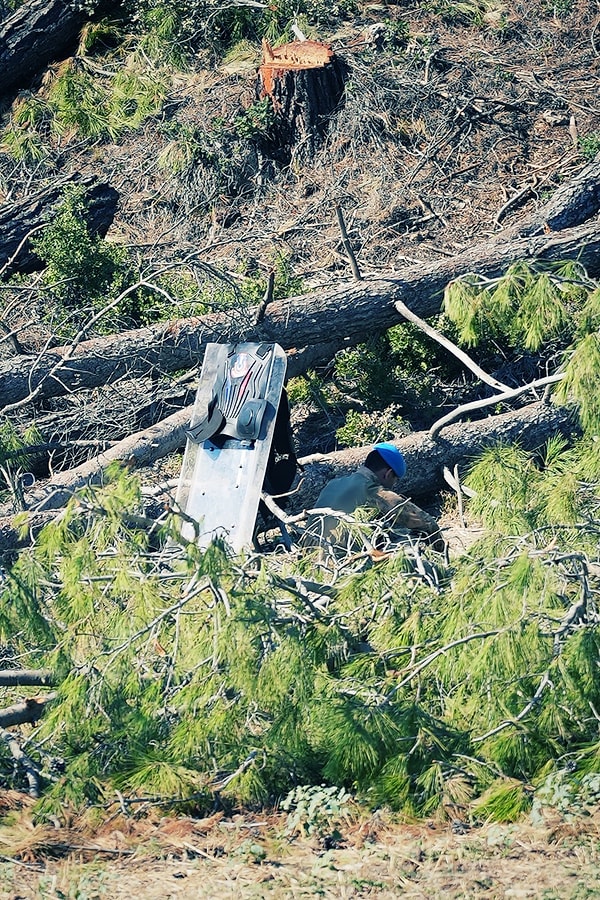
x=590 y=145
x=81 y=269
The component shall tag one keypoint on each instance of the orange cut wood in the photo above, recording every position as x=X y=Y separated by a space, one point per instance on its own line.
x=295 y=55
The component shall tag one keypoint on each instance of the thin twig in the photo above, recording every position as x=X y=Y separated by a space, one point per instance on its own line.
x=482 y=635
x=347 y=244
x=268 y=297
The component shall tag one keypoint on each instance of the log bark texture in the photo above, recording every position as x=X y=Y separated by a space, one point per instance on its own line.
x=27 y=711
x=338 y=317
x=136 y=450
x=39 y=32
x=23 y=677
x=18 y=220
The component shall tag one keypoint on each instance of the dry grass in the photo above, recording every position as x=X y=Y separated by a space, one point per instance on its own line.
x=239 y=856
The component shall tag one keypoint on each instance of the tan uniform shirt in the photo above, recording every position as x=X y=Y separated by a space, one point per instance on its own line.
x=362 y=488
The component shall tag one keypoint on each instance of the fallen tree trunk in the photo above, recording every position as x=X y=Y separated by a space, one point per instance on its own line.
x=460 y=444
x=340 y=316
x=139 y=449
x=426 y=458
x=36 y=33
x=19 y=220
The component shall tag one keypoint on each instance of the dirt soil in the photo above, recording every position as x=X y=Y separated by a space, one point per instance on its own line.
x=246 y=858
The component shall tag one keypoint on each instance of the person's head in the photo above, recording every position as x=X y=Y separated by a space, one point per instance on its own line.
x=387 y=463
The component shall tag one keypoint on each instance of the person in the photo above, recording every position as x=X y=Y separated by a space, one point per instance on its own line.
x=371 y=486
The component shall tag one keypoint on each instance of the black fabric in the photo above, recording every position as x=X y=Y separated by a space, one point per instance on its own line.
x=282 y=464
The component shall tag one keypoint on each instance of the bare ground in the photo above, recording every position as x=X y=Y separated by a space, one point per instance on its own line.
x=240 y=857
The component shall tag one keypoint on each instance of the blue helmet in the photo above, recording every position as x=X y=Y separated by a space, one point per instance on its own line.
x=392 y=457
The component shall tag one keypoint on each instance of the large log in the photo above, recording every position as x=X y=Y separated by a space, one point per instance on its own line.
x=340 y=316
x=458 y=445
x=38 y=32
x=18 y=220
x=136 y=450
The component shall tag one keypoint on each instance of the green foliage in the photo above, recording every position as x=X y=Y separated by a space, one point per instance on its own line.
x=316 y=809
x=82 y=270
x=396 y=370
x=501 y=479
x=23 y=138
x=85 y=101
x=504 y=801
x=560 y=9
x=309 y=388
x=15 y=459
x=581 y=380
x=517 y=492
x=186 y=672
x=554 y=308
x=82 y=102
x=525 y=308
x=171 y=32
x=361 y=428
x=568 y=791
x=465 y=11
x=590 y=145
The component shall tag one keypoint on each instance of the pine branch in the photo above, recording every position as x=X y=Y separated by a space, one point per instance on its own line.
x=545 y=681
x=479 y=636
x=176 y=607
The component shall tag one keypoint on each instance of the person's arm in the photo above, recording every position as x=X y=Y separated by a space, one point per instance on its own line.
x=411 y=516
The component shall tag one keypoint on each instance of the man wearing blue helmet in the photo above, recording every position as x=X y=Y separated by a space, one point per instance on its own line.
x=371 y=486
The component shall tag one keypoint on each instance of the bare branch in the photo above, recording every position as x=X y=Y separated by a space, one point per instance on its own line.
x=491 y=401
x=445 y=342
x=29 y=710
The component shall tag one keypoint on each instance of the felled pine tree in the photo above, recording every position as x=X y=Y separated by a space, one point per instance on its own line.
x=189 y=675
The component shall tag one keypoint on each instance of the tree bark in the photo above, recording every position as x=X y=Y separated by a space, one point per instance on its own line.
x=18 y=220
x=320 y=321
x=36 y=33
x=574 y=202
x=27 y=711
x=305 y=82
x=25 y=677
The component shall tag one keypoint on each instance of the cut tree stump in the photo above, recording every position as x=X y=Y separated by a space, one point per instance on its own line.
x=305 y=81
